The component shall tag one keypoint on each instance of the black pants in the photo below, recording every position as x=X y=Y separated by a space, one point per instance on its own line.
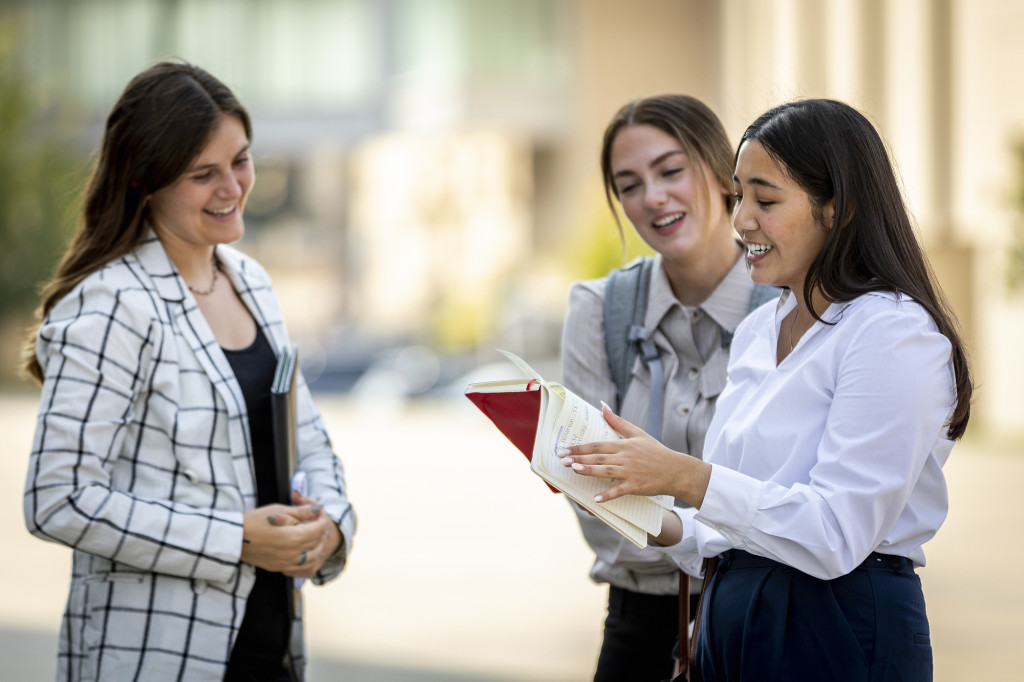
x=640 y=635
x=766 y=621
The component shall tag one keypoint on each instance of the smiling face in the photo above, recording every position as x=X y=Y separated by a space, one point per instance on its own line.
x=204 y=206
x=662 y=192
x=776 y=220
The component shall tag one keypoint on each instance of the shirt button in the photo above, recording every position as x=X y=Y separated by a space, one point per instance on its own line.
x=692 y=374
x=695 y=316
x=682 y=409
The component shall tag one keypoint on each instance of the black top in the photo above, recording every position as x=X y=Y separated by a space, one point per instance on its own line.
x=262 y=641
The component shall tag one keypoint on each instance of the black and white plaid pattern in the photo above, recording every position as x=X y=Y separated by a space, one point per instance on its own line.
x=141 y=463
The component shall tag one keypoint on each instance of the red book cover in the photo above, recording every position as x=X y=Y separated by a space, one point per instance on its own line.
x=514 y=410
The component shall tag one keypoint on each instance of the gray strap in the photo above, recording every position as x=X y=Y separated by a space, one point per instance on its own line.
x=649 y=354
x=625 y=305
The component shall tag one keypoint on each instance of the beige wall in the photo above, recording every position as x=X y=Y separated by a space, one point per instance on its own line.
x=624 y=51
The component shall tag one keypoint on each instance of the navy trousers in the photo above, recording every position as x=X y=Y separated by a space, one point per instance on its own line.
x=763 y=620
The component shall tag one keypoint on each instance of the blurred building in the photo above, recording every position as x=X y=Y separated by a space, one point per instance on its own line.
x=428 y=168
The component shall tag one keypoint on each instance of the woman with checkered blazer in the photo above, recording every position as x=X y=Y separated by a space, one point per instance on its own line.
x=152 y=456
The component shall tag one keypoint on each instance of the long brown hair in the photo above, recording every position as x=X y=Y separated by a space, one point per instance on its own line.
x=833 y=152
x=157 y=128
x=691 y=122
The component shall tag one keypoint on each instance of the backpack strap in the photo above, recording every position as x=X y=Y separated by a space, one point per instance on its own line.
x=625 y=307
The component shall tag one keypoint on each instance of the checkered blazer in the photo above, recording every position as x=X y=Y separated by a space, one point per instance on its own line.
x=141 y=463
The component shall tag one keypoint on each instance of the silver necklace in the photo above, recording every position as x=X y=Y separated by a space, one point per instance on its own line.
x=203 y=292
x=792 y=328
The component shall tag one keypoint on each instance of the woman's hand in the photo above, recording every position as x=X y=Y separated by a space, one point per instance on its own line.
x=331 y=542
x=292 y=540
x=640 y=465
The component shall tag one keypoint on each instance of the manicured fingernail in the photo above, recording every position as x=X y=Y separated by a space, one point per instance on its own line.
x=604 y=404
x=598 y=498
x=563 y=452
x=272 y=518
x=565 y=461
x=316 y=508
x=577 y=467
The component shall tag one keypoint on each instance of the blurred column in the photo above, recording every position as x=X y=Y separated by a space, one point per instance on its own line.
x=621 y=52
x=873 y=59
x=953 y=260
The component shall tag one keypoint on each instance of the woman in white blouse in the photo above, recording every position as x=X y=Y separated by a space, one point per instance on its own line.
x=153 y=456
x=843 y=401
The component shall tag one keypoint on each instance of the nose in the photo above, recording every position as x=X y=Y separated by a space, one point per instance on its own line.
x=232 y=186
x=741 y=219
x=655 y=195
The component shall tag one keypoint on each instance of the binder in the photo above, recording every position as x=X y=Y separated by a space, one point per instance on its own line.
x=283 y=410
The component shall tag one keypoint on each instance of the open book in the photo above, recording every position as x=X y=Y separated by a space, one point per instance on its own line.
x=542 y=417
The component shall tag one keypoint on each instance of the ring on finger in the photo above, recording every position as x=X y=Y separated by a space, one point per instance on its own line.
x=302 y=559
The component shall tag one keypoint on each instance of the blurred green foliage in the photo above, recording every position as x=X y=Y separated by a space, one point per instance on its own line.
x=600 y=248
x=39 y=180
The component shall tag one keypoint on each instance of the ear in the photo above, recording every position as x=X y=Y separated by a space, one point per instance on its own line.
x=828 y=214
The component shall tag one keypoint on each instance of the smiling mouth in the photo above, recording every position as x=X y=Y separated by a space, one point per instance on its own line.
x=667 y=221
x=222 y=212
x=758 y=249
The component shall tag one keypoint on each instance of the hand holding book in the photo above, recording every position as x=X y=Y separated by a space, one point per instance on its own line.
x=543 y=418
x=640 y=465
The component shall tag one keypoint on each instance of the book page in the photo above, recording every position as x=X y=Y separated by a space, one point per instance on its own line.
x=570 y=420
x=521 y=364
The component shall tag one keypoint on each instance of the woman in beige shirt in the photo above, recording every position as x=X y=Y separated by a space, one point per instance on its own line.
x=668 y=163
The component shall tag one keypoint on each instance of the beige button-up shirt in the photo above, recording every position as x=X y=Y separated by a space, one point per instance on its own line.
x=690 y=341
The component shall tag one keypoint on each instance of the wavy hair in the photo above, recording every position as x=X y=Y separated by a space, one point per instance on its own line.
x=833 y=152
x=157 y=128
x=691 y=122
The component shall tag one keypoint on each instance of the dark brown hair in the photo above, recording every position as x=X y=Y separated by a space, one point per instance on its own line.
x=157 y=128
x=687 y=119
x=833 y=152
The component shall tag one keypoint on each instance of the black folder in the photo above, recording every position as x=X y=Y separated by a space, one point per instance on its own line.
x=283 y=407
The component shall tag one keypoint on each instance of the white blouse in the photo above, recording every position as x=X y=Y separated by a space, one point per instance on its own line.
x=835 y=452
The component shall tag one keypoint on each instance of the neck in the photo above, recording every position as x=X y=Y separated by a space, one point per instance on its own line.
x=694 y=279
x=817 y=304
x=192 y=261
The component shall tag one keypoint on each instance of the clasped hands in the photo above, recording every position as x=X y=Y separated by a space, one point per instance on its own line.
x=293 y=540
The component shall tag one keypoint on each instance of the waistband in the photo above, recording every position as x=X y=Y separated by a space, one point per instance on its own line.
x=737 y=558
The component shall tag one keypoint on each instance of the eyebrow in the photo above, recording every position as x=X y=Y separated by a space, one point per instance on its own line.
x=757 y=181
x=654 y=162
x=213 y=165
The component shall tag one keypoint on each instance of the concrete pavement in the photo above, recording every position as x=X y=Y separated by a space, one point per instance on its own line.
x=466 y=569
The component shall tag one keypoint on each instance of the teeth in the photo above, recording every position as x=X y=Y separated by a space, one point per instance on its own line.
x=758 y=249
x=223 y=211
x=668 y=220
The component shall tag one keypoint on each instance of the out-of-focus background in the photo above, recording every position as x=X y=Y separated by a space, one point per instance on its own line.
x=428 y=188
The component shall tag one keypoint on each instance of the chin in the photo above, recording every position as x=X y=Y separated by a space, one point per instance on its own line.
x=230 y=234
x=760 y=276
x=681 y=247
